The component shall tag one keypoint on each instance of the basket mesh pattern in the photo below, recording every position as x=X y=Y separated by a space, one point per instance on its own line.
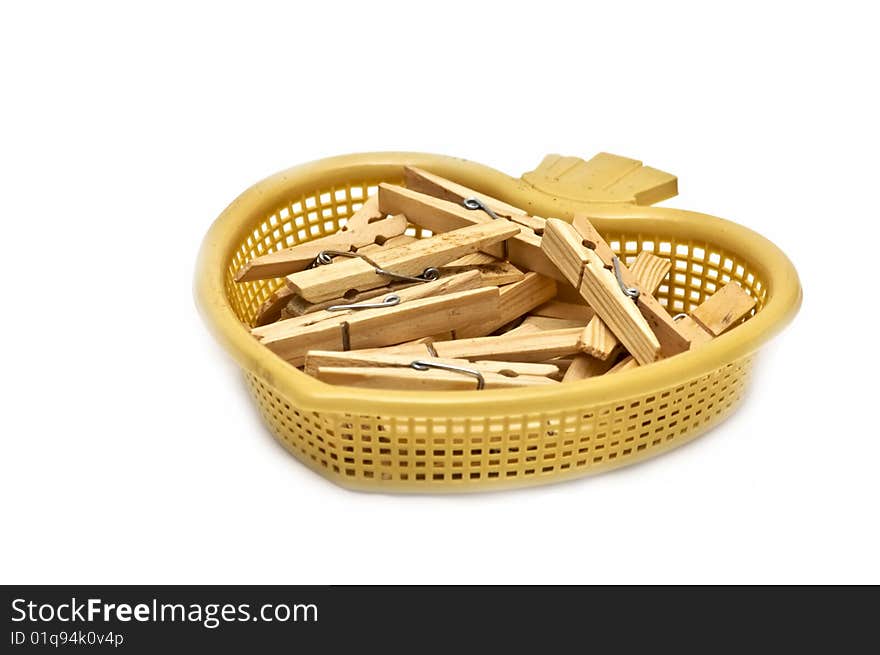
x=445 y=453
x=517 y=449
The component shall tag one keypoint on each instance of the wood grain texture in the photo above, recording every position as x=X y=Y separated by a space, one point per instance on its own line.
x=583 y=267
x=543 y=347
x=497 y=272
x=401 y=240
x=299 y=306
x=567 y=310
x=439 y=187
x=516 y=299
x=438 y=215
x=432 y=213
x=451 y=284
x=592 y=239
x=564 y=247
x=379 y=358
x=598 y=340
x=409 y=379
x=696 y=334
x=529 y=347
x=344 y=275
x=599 y=287
x=388 y=325
x=563 y=363
x=725 y=308
x=366 y=226
x=272 y=308
x=585 y=366
x=492 y=272
x=541 y=323
x=626 y=364
x=650 y=270
x=672 y=341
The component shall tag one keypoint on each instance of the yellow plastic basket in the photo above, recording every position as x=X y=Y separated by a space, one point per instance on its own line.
x=465 y=440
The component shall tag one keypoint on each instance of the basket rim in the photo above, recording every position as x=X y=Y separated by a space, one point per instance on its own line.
x=784 y=294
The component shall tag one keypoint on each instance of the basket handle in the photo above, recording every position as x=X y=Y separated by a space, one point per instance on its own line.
x=605 y=178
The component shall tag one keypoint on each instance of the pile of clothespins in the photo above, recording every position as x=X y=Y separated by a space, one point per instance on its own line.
x=495 y=298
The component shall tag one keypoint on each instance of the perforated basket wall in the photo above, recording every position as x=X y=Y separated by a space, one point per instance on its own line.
x=491 y=446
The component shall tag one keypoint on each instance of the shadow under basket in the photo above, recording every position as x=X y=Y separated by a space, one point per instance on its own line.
x=448 y=441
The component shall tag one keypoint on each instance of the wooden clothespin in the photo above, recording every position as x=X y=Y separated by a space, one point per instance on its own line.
x=515 y=300
x=491 y=271
x=541 y=323
x=643 y=326
x=379 y=358
x=564 y=310
x=586 y=366
x=717 y=314
x=285 y=303
x=414 y=262
x=297 y=306
x=365 y=226
x=382 y=326
x=439 y=187
x=341 y=307
x=727 y=307
x=426 y=374
x=597 y=341
x=625 y=364
x=672 y=341
x=530 y=347
x=273 y=307
x=526 y=347
x=393 y=242
x=585 y=269
x=438 y=215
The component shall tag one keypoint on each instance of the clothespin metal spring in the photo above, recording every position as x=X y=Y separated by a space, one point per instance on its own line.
x=475 y=203
x=629 y=292
x=390 y=300
x=325 y=257
x=421 y=365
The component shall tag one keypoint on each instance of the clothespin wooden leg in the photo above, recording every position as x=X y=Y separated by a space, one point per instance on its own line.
x=272 y=308
x=516 y=300
x=586 y=366
x=364 y=227
x=421 y=375
x=372 y=328
x=527 y=347
x=540 y=323
x=716 y=315
x=572 y=311
x=413 y=260
x=433 y=185
x=342 y=307
x=599 y=344
x=671 y=340
x=381 y=357
x=438 y=215
x=584 y=269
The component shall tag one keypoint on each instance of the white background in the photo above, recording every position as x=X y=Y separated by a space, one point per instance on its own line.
x=130 y=451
